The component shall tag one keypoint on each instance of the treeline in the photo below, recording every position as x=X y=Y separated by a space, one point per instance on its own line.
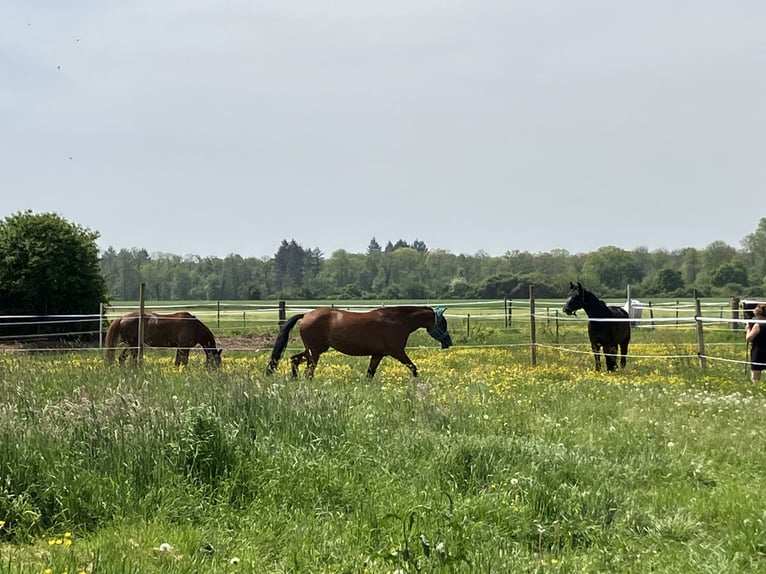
x=403 y=270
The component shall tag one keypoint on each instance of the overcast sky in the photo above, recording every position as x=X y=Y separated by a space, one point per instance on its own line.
x=212 y=127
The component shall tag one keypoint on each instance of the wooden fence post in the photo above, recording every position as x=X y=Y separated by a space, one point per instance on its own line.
x=141 y=301
x=282 y=313
x=101 y=322
x=468 y=326
x=700 y=336
x=532 y=326
x=735 y=313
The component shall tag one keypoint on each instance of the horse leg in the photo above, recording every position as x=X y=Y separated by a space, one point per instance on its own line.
x=596 y=348
x=623 y=353
x=312 y=358
x=296 y=360
x=123 y=356
x=374 y=362
x=182 y=357
x=406 y=361
x=610 y=354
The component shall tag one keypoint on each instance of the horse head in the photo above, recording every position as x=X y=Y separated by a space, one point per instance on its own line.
x=213 y=357
x=575 y=299
x=439 y=330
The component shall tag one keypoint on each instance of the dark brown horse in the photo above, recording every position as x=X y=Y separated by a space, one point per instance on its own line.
x=607 y=331
x=377 y=333
x=181 y=330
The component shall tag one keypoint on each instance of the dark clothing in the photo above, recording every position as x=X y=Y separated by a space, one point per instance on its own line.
x=758 y=350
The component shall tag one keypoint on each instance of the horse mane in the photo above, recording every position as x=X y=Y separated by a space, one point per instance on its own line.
x=204 y=328
x=404 y=311
x=405 y=308
x=594 y=306
x=598 y=308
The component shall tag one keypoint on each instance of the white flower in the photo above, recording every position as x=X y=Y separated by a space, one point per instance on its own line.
x=234 y=560
x=439 y=547
x=671 y=444
x=165 y=547
x=514 y=481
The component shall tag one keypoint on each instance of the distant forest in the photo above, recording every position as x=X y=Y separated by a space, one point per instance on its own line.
x=404 y=270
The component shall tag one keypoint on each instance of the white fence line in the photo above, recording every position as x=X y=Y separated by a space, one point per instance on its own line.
x=227 y=317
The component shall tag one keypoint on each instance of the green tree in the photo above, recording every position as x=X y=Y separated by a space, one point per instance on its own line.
x=755 y=245
x=716 y=254
x=691 y=262
x=49 y=266
x=340 y=271
x=611 y=267
x=296 y=270
x=408 y=272
x=668 y=281
x=731 y=272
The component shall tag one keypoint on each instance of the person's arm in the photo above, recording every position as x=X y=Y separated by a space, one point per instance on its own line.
x=751 y=331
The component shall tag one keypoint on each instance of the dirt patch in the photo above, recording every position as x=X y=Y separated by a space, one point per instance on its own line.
x=228 y=343
x=245 y=342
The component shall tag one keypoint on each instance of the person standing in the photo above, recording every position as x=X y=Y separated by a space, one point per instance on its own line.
x=755 y=334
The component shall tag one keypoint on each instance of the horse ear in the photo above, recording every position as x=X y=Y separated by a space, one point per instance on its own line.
x=579 y=286
x=571 y=285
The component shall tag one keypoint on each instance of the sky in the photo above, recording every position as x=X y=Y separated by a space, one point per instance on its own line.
x=217 y=127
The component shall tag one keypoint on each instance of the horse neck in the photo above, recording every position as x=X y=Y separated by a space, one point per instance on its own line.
x=415 y=317
x=205 y=336
x=425 y=318
x=593 y=306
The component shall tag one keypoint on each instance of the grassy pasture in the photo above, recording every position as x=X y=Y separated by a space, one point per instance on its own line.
x=476 y=322
x=481 y=464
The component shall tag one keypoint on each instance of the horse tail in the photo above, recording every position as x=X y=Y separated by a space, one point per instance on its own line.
x=281 y=342
x=112 y=338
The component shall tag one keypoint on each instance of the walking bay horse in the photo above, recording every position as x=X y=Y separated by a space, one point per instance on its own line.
x=181 y=330
x=377 y=333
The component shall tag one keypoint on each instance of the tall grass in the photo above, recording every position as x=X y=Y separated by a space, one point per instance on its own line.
x=481 y=464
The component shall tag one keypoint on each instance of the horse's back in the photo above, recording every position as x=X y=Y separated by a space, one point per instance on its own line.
x=178 y=329
x=610 y=332
x=621 y=329
x=619 y=312
x=351 y=332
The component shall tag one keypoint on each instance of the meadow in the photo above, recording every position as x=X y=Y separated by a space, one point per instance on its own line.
x=483 y=463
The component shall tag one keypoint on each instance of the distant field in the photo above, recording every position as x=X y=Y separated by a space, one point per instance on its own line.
x=476 y=322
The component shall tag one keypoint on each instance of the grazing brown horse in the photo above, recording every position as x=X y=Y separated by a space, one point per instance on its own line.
x=378 y=333
x=610 y=332
x=181 y=330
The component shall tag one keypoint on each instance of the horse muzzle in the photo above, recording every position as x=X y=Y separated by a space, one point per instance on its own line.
x=446 y=342
x=568 y=311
